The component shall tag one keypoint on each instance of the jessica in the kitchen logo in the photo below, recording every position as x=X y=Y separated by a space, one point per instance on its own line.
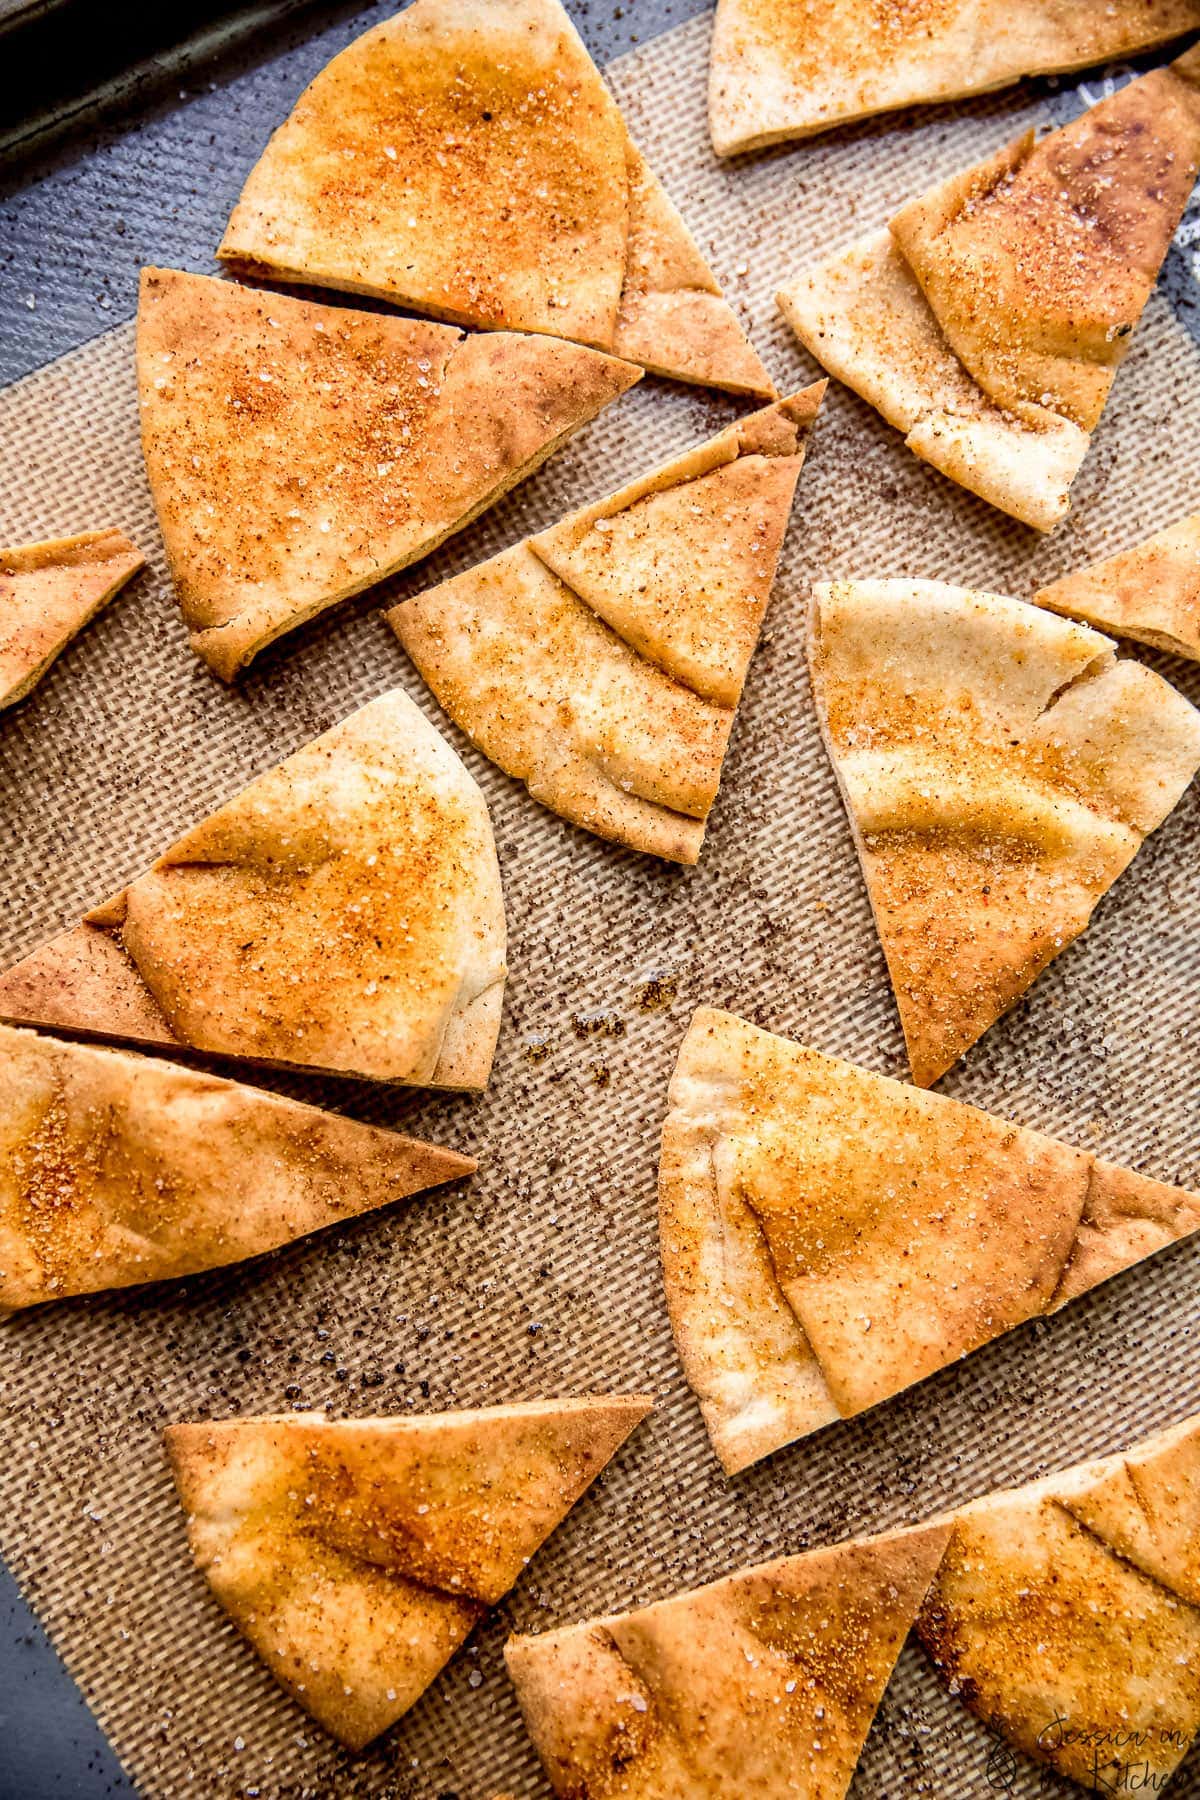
x=1115 y=1761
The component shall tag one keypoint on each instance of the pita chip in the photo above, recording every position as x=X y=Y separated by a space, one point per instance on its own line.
x=48 y=593
x=409 y=430
x=1150 y=593
x=988 y=321
x=342 y=913
x=1145 y=1505
x=788 y=68
x=763 y=1684
x=809 y=1210
x=1000 y=769
x=602 y=661
x=357 y=1555
x=465 y=159
x=1059 y=1636
x=116 y=1169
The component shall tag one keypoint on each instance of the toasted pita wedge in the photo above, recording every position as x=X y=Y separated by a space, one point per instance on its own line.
x=356 y=1555
x=1074 y=1654
x=344 y=913
x=764 y=1684
x=1145 y=1505
x=115 y=1170
x=48 y=593
x=988 y=323
x=464 y=158
x=788 y=68
x=410 y=430
x=602 y=661
x=809 y=1211
x=862 y=315
x=1000 y=769
x=1150 y=593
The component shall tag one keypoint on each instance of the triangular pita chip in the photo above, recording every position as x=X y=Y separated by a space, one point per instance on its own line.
x=464 y=158
x=298 y=453
x=356 y=1555
x=1145 y=1505
x=1076 y=1655
x=601 y=662
x=809 y=1211
x=988 y=322
x=1000 y=768
x=48 y=592
x=789 y=68
x=764 y=1684
x=116 y=1169
x=1151 y=593
x=343 y=912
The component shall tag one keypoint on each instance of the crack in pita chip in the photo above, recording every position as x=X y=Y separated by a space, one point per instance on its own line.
x=357 y=1555
x=1000 y=769
x=988 y=321
x=48 y=593
x=409 y=431
x=762 y=1684
x=601 y=662
x=809 y=1212
x=343 y=913
x=1150 y=593
x=1063 y=1614
x=466 y=159
x=116 y=1170
x=788 y=68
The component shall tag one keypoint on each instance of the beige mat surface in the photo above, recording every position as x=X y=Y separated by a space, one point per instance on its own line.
x=541 y=1276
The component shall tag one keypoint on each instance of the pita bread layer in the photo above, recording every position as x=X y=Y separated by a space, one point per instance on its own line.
x=116 y=1169
x=601 y=662
x=763 y=1684
x=409 y=431
x=1062 y=1615
x=48 y=593
x=1150 y=593
x=1000 y=769
x=788 y=68
x=356 y=1555
x=987 y=323
x=343 y=912
x=464 y=158
x=809 y=1212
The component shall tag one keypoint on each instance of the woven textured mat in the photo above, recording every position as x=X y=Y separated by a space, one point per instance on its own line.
x=541 y=1276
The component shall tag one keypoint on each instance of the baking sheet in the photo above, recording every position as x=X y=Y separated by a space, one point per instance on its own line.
x=541 y=1276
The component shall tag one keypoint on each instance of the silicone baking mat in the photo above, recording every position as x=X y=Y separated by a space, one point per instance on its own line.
x=541 y=1275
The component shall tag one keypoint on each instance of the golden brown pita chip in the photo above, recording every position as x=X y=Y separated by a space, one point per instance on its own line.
x=864 y=317
x=464 y=158
x=761 y=1685
x=115 y=1169
x=601 y=662
x=1145 y=1505
x=1126 y=1217
x=1000 y=768
x=1073 y=1653
x=356 y=1555
x=1150 y=593
x=48 y=593
x=408 y=431
x=789 y=68
x=988 y=322
x=809 y=1212
x=1037 y=265
x=343 y=913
